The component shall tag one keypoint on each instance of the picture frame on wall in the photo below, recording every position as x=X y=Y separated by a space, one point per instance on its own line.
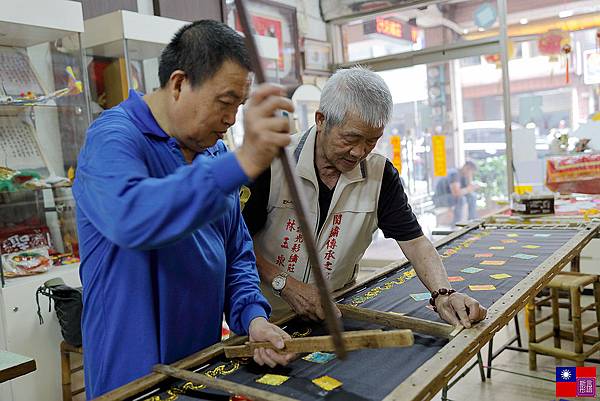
x=276 y=34
x=317 y=57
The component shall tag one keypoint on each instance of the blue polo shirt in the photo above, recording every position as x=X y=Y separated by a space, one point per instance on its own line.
x=164 y=249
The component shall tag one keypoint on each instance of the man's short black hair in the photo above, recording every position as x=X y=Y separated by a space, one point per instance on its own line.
x=199 y=49
x=471 y=165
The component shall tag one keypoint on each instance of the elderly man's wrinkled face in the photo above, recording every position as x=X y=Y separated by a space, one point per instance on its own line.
x=346 y=145
x=201 y=115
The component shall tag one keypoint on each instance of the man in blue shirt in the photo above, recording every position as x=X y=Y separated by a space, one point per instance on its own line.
x=164 y=249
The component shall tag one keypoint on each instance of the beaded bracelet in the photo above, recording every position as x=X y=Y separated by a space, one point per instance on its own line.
x=435 y=294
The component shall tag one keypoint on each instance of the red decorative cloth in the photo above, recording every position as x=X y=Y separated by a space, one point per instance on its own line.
x=568 y=174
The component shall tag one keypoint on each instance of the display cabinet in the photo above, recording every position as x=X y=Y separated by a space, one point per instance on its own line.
x=43 y=117
x=115 y=40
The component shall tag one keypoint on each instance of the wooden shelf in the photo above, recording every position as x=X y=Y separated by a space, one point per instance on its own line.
x=14 y=365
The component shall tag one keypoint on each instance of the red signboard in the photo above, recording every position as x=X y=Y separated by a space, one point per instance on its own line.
x=391 y=27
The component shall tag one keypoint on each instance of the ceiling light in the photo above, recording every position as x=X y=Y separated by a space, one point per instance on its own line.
x=523 y=21
x=480 y=29
x=565 y=14
x=465 y=31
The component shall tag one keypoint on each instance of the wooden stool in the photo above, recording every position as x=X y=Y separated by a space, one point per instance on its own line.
x=67 y=371
x=572 y=282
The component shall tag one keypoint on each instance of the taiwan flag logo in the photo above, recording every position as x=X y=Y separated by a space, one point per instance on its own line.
x=575 y=381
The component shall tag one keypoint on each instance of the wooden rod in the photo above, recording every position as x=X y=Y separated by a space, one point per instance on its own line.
x=334 y=324
x=397 y=321
x=353 y=340
x=219 y=384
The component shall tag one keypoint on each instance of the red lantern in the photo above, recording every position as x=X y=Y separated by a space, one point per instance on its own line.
x=495 y=58
x=492 y=58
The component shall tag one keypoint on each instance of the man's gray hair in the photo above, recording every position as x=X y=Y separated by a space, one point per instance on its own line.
x=357 y=91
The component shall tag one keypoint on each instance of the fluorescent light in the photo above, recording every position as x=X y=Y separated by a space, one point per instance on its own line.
x=480 y=29
x=565 y=14
x=465 y=31
x=523 y=21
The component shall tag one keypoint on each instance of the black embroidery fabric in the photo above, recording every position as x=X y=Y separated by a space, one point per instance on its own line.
x=372 y=374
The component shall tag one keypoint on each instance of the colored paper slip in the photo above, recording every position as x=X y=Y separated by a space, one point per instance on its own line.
x=509 y=241
x=327 y=383
x=487 y=287
x=500 y=276
x=471 y=270
x=524 y=256
x=484 y=255
x=531 y=246
x=272 y=380
x=421 y=296
x=455 y=279
x=496 y=248
x=542 y=235
x=512 y=235
x=493 y=262
x=319 y=357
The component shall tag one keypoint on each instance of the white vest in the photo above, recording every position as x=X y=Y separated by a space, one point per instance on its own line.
x=346 y=232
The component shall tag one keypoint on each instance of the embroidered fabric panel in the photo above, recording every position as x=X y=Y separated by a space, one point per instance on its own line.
x=459 y=255
x=362 y=373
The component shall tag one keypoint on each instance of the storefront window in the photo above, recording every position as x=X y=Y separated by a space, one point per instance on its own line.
x=439 y=126
x=555 y=83
x=398 y=32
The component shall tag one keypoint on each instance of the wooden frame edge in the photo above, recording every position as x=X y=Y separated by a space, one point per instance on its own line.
x=426 y=381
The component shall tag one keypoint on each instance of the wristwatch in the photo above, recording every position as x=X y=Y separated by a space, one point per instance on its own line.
x=279 y=282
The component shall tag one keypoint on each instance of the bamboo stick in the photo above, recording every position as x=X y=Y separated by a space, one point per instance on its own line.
x=334 y=324
x=397 y=321
x=353 y=340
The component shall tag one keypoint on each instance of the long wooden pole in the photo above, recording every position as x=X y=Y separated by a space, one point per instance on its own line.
x=353 y=340
x=219 y=384
x=398 y=321
x=334 y=324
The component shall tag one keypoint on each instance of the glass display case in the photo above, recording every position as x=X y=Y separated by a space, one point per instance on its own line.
x=43 y=117
x=115 y=40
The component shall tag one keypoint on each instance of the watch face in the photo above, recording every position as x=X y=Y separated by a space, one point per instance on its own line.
x=278 y=283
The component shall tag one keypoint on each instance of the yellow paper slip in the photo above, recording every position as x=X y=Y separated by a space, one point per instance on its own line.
x=327 y=383
x=493 y=262
x=500 y=276
x=272 y=380
x=488 y=287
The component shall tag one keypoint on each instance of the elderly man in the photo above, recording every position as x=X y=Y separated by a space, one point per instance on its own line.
x=164 y=249
x=351 y=192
